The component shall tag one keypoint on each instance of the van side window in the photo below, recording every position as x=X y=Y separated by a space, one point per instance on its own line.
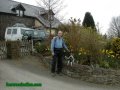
x=42 y=34
x=35 y=33
x=14 y=31
x=9 y=31
x=22 y=31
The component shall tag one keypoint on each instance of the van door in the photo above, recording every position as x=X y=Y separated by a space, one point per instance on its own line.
x=14 y=35
x=8 y=34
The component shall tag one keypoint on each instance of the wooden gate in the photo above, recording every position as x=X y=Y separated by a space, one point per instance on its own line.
x=25 y=48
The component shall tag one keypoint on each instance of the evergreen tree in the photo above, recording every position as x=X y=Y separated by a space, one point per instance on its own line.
x=88 y=20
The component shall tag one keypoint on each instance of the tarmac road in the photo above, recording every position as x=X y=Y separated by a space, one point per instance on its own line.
x=31 y=70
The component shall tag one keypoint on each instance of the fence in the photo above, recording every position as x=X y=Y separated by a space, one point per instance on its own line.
x=3 y=50
x=25 y=48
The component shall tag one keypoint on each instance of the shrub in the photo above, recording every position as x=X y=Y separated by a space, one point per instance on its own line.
x=116 y=47
x=43 y=47
x=108 y=61
x=92 y=42
x=108 y=44
x=85 y=43
x=40 y=47
x=90 y=47
x=109 y=55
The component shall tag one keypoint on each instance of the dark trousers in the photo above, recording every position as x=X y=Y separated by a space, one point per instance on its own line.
x=57 y=61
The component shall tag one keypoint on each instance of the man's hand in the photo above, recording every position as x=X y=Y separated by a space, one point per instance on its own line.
x=68 y=50
x=52 y=53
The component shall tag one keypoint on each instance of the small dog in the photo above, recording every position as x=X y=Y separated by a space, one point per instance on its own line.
x=70 y=59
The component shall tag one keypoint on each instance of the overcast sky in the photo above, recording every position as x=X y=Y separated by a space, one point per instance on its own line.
x=101 y=10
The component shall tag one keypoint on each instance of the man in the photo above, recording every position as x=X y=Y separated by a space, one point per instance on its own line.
x=57 y=46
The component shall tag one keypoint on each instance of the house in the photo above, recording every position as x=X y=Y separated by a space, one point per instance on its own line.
x=12 y=12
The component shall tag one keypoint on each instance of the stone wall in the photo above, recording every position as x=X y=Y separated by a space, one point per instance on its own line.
x=90 y=74
x=7 y=20
x=13 y=49
x=95 y=75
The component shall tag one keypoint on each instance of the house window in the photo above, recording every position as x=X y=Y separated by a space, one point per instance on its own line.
x=19 y=13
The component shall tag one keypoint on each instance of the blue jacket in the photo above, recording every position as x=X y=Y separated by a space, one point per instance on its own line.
x=58 y=43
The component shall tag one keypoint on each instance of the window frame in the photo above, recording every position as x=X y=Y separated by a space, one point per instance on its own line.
x=20 y=12
x=42 y=33
x=10 y=31
x=13 y=31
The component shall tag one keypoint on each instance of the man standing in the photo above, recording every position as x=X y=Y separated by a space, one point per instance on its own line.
x=57 y=46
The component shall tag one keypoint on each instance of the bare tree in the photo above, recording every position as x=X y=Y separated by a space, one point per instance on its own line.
x=52 y=5
x=98 y=27
x=114 y=29
x=55 y=5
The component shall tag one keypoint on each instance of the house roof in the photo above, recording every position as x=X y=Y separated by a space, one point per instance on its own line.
x=6 y=6
x=18 y=6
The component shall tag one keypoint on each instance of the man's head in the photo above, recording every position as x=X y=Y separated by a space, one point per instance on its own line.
x=60 y=33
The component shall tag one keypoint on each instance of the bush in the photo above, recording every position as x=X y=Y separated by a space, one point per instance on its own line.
x=40 y=47
x=116 y=47
x=107 y=61
x=85 y=43
x=90 y=47
x=44 y=47
x=92 y=42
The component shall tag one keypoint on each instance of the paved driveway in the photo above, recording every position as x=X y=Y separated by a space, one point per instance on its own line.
x=32 y=70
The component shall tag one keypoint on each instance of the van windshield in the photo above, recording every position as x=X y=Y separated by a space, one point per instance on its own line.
x=36 y=33
x=26 y=32
x=42 y=34
x=39 y=33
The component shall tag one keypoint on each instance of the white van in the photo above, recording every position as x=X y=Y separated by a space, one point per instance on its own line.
x=16 y=33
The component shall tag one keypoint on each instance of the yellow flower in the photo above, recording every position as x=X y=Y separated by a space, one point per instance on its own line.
x=103 y=51
x=112 y=56
x=110 y=51
x=107 y=51
x=79 y=54
x=85 y=53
